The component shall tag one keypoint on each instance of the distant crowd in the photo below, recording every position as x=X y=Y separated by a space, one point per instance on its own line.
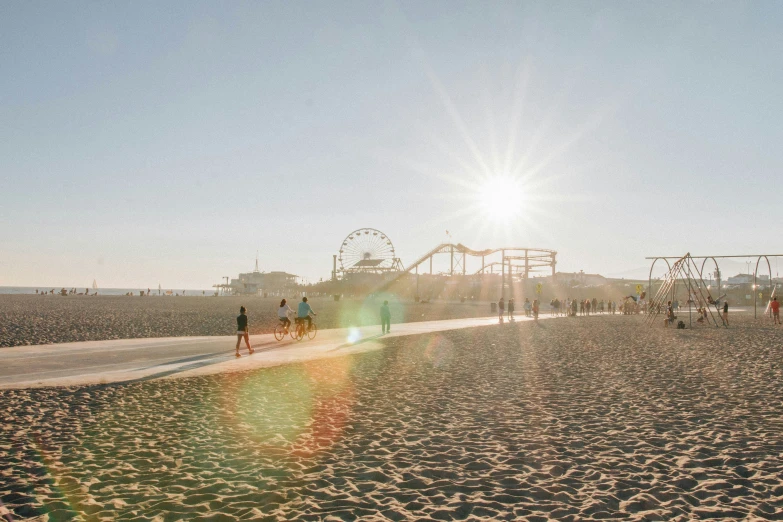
x=141 y=293
x=567 y=307
x=65 y=291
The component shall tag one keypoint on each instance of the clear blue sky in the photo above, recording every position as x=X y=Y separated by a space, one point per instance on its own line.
x=146 y=142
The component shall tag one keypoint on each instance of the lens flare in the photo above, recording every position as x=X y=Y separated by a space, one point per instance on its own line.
x=354 y=335
x=298 y=409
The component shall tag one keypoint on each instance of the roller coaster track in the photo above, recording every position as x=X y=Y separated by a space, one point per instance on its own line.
x=459 y=248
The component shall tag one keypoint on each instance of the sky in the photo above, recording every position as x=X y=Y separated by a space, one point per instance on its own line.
x=172 y=142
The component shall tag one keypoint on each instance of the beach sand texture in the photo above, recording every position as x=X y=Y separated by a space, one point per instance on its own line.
x=31 y=319
x=573 y=419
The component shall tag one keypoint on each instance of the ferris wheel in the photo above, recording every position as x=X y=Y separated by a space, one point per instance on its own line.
x=366 y=250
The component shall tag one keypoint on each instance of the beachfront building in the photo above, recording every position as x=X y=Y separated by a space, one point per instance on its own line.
x=580 y=279
x=263 y=283
x=259 y=283
x=745 y=279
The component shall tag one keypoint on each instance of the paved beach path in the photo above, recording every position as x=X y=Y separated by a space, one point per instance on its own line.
x=124 y=360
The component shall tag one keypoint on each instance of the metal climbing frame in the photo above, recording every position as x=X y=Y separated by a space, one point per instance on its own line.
x=686 y=271
x=717 y=270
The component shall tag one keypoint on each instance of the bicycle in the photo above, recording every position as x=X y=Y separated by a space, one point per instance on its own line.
x=281 y=330
x=302 y=330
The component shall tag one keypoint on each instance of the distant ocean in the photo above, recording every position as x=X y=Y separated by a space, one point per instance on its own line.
x=102 y=291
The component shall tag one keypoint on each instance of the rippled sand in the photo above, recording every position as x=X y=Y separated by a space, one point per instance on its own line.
x=571 y=419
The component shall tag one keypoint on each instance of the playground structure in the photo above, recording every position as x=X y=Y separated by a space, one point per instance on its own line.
x=700 y=271
x=684 y=271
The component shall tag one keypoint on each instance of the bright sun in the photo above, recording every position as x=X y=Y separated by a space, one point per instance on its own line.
x=501 y=198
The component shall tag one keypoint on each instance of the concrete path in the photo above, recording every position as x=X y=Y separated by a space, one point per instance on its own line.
x=127 y=360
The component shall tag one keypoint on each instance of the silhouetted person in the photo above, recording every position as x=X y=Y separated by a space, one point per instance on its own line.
x=243 y=332
x=303 y=312
x=385 y=317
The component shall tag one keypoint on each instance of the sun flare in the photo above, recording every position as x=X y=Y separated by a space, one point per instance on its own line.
x=501 y=197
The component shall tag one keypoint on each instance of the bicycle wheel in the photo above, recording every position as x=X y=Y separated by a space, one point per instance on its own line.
x=312 y=331
x=279 y=332
x=300 y=332
x=292 y=330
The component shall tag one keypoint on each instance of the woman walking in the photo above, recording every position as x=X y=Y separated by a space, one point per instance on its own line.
x=242 y=331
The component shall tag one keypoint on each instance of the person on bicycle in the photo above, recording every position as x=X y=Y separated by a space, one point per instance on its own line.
x=283 y=312
x=304 y=312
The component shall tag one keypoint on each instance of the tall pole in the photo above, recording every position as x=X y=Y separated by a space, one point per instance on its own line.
x=334 y=267
x=463 y=263
x=451 y=271
x=510 y=280
x=717 y=278
x=503 y=275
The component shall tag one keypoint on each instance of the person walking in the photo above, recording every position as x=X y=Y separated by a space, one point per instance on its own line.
x=535 y=309
x=243 y=331
x=511 y=309
x=774 y=307
x=385 y=317
x=501 y=309
x=726 y=312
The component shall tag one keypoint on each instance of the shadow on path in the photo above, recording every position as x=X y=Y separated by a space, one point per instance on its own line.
x=199 y=361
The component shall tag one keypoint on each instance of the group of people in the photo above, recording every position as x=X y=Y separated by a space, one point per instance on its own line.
x=567 y=307
x=701 y=311
x=304 y=312
x=65 y=292
x=531 y=309
x=572 y=307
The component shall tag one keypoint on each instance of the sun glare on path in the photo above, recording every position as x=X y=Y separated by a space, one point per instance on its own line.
x=500 y=198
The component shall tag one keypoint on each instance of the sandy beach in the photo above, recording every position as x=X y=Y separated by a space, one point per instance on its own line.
x=30 y=319
x=572 y=419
